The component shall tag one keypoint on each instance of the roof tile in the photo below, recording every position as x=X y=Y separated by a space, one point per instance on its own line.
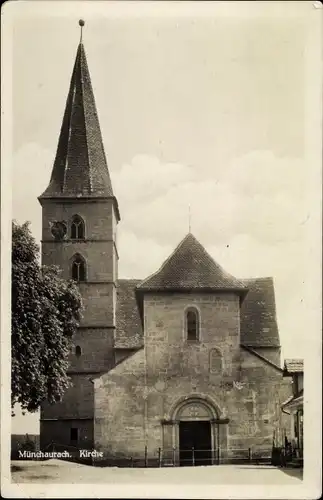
x=129 y=332
x=191 y=267
x=80 y=167
x=258 y=314
x=294 y=365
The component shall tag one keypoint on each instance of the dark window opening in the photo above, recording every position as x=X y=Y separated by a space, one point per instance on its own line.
x=77 y=228
x=192 y=325
x=78 y=268
x=78 y=351
x=74 y=434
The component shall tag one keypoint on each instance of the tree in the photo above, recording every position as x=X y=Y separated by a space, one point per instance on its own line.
x=46 y=310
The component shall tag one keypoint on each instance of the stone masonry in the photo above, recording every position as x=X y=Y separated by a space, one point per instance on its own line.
x=191 y=344
x=137 y=399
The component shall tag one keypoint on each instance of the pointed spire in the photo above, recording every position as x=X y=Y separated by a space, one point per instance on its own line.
x=80 y=167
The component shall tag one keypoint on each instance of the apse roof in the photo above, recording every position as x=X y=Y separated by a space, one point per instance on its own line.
x=191 y=267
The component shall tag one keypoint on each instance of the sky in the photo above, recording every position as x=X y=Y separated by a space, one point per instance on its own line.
x=202 y=109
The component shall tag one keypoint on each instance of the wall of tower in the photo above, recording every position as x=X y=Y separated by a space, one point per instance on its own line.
x=95 y=337
x=97 y=353
x=77 y=401
x=58 y=432
x=99 y=216
x=98 y=247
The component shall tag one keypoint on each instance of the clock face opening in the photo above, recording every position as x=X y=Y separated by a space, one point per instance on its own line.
x=59 y=230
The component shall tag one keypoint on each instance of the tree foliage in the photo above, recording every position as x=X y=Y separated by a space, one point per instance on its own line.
x=46 y=311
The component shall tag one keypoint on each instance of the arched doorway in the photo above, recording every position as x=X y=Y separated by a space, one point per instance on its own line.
x=196 y=435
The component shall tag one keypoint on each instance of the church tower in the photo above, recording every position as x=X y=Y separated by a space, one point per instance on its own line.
x=79 y=224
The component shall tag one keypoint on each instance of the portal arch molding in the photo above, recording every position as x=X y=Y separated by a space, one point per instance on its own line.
x=195 y=406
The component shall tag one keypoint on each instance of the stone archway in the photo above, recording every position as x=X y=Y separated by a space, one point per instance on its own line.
x=195 y=409
x=198 y=418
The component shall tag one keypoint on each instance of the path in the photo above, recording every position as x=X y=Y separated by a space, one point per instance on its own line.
x=58 y=471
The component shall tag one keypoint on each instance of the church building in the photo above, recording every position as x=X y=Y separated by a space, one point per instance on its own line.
x=186 y=359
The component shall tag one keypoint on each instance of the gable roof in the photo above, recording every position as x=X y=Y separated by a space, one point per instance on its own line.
x=293 y=402
x=80 y=166
x=258 y=323
x=294 y=365
x=191 y=267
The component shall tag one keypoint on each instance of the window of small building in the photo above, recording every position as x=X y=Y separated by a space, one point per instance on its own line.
x=77 y=228
x=78 y=268
x=215 y=361
x=78 y=351
x=74 y=434
x=192 y=325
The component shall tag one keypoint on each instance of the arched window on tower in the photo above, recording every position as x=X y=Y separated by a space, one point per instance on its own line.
x=78 y=268
x=78 y=351
x=77 y=228
x=192 y=324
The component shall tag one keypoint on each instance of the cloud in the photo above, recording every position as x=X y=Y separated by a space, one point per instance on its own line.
x=251 y=218
x=258 y=194
x=139 y=257
x=250 y=215
x=146 y=177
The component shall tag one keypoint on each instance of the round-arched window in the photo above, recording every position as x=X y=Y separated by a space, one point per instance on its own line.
x=192 y=322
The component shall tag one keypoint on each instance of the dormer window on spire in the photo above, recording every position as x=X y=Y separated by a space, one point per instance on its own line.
x=77 y=228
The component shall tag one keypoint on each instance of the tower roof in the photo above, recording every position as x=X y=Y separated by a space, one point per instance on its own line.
x=80 y=167
x=191 y=267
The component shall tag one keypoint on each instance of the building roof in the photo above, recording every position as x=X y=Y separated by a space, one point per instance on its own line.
x=80 y=167
x=294 y=401
x=258 y=314
x=294 y=366
x=129 y=331
x=191 y=267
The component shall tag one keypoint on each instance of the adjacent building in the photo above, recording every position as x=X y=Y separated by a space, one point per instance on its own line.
x=294 y=405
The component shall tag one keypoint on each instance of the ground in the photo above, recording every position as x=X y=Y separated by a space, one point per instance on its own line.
x=58 y=471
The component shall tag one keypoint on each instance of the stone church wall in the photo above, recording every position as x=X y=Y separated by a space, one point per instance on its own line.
x=133 y=400
x=58 y=432
x=119 y=429
x=98 y=216
x=77 y=401
x=96 y=335
x=97 y=353
x=75 y=410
